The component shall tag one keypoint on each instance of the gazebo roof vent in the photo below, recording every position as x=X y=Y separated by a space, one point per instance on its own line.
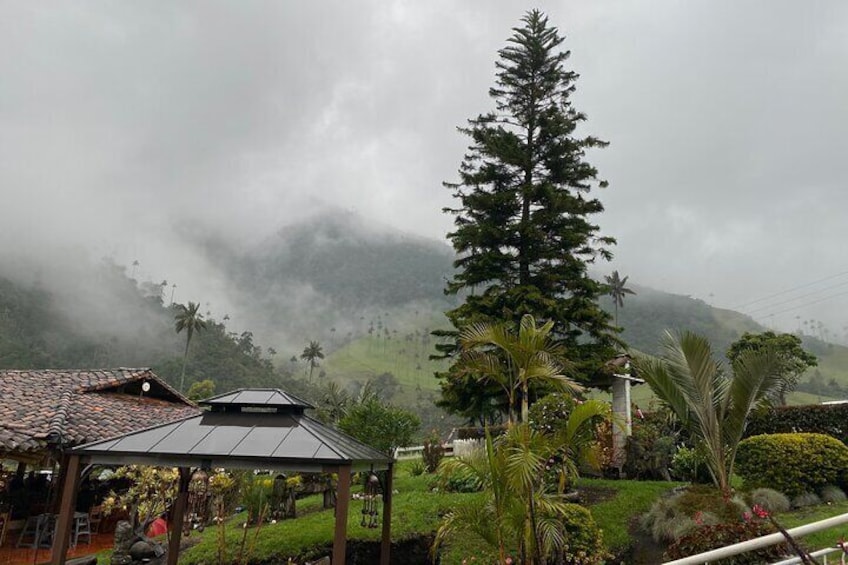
x=257 y=400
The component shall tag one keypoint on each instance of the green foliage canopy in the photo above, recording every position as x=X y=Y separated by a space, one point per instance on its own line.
x=524 y=233
x=383 y=427
x=792 y=358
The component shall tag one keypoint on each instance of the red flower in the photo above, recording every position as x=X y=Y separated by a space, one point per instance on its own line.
x=759 y=511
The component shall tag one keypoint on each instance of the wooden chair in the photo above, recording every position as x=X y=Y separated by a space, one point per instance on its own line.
x=95 y=517
x=5 y=518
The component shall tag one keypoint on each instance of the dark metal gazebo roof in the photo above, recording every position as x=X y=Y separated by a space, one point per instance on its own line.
x=246 y=428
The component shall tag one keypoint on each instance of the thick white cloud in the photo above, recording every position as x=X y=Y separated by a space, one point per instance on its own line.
x=125 y=125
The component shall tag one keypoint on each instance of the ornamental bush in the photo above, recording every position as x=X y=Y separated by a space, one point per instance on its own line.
x=706 y=538
x=792 y=463
x=551 y=412
x=584 y=543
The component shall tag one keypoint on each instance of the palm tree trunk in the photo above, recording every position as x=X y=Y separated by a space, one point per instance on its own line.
x=525 y=402
x=185 y=359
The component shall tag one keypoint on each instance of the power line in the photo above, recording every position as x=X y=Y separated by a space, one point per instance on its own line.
x=788 y=290
x=823 y=299
x=787 y=301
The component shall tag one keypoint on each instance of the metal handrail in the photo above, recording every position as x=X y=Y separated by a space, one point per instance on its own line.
x=820 y=553
x=760 y=542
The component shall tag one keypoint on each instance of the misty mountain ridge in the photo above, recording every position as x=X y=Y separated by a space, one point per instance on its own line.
x=331 y=277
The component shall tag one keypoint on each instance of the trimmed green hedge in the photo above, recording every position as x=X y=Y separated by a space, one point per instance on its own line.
x=792 y=463
x=819 y=419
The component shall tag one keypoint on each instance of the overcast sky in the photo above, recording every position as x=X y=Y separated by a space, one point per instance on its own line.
x=125 y=124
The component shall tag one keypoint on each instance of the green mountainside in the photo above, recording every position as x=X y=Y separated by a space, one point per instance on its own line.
x=369 y=296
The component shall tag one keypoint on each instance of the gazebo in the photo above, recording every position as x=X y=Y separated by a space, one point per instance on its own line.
x=245 y=429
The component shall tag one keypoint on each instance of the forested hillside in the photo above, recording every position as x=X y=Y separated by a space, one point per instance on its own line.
x=38 y=331
x=368 y=297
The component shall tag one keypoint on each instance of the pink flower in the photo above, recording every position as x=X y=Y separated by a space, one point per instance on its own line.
x=759 y=511
x=699 y=518
x=746 y=516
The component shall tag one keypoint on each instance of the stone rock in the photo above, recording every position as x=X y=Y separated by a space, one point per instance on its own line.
x=142 y=550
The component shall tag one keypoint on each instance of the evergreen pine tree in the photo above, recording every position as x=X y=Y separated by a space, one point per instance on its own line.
x=524 y=231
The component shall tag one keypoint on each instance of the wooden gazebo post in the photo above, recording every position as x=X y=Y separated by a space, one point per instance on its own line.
x=386 y=542
x=66 y=509
x=342 y=503
x=178 y=515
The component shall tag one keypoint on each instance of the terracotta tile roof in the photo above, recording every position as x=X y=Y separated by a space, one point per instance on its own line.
x=48 y=407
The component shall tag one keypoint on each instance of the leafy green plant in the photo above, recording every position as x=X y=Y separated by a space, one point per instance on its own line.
x=688 y=464
x=256 y=494
x=417 y=468
x=515 y=361
x=379 y=425
x=651 y=447
x=710 y=403
x=465 y=477
x=516 y=511
x=793 y=463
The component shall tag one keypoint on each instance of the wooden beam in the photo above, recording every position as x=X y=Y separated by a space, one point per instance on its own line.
x=386 y=543
x=178 y=515
x=342 y=503
x=71 y=465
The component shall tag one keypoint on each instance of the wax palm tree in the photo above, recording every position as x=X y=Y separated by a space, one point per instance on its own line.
x=495 y=353
x=710 y=402
x=616 y=289
x=311 y=353
x=189 y=319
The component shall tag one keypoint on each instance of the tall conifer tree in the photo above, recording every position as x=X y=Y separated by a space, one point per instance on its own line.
x=524 y=230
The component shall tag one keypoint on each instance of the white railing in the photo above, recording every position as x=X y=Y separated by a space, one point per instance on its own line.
x=820 y=553
x=760 y=542
x=458 y=447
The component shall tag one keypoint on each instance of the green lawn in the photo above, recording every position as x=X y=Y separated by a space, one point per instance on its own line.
x=632 y=498
x=821 y=539
x=416 y=511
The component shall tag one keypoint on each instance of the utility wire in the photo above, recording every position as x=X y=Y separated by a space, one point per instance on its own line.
x=788 y=300
x=823 y=299
x=788 y=290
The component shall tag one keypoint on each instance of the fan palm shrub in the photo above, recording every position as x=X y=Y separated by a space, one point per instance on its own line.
x=711 y=402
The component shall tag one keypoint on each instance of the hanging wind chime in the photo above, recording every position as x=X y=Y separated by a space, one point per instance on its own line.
x=369 y=505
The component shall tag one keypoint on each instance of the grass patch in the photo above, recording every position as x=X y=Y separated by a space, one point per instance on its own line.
x=632 y=497
x=818 y=540
x=415 y=511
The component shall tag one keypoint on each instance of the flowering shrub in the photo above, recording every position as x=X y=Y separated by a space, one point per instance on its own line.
x=753 y=524
x=551 y=412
